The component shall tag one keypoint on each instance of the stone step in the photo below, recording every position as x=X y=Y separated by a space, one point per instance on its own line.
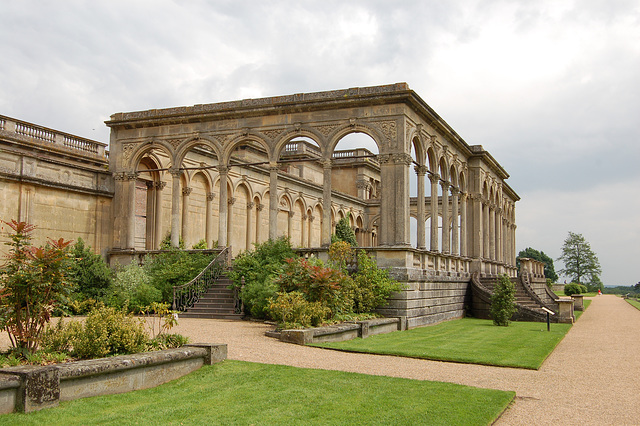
x=211 y=316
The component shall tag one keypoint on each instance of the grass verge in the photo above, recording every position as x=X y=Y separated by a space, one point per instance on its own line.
x=236 y=392
x=578 y=314
x=467 y=340
x=634 y=303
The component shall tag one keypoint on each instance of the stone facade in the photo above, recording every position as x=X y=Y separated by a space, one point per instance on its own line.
x=236 y=173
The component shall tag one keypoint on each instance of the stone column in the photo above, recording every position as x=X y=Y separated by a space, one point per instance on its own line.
x=492 y=232
x=421 y=171
x=231 y=202
x=223 y=206
x=434 y=178
x=159 y=186
x=250 y=225
x=175 y=207
x=455 y=232
x=185 y=216
x=209 y=220
x=499 y=234
x=131 y=225
x=463 y=225
x=273 y=200
x=259 y=208
x=446 y=228
x=326 y=204
x=309 y=234
x=486 y=252
x=290 y=215
x=303 y=231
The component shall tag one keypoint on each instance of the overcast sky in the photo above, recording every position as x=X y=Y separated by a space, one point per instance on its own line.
x=550 y=88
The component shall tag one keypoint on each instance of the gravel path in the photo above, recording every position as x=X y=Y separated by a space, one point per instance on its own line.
x=593 y=376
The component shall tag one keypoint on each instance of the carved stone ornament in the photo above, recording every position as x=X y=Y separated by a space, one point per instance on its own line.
x=292 y=214
x=272 y=133
x=434 y=178
x=384 y=158
x=211 y=196
x=402 y=158
x=259 y=207
x=175 y=143
x=187 y=191
x=250 y=205
x=410 y=128
x=132 y=176
x=120 y=176
x=231 y=200
x=221 y=138
x=389 y=129
x=327 y=129
x=127 y=150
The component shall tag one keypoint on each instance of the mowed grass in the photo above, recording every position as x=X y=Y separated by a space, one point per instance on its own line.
x=236 y=392
x=467 y=340
x=634 y=303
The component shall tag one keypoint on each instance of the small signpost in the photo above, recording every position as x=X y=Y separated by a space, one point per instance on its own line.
x=549 y=312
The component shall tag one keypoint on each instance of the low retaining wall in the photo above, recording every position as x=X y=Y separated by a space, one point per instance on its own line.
x=31 y=388
x=341 y=332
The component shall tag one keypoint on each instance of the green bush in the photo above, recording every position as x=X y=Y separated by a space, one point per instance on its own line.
x=173 y=268
x=503 y=301
x=200 y=245
x=168 y=341
x=83 y=307
x=89 y=272
x=292 y=310
x=344 y=232
x=132 y=289
x=372 y=285
x=573 y=288
x=260 y=267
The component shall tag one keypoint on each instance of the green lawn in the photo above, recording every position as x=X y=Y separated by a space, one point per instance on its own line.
x=235 y=392
x=467 y=340
x=634 y=303
x=578 y=314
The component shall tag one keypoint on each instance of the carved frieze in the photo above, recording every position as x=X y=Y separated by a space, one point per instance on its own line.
x=388 y=129
x=327 y=129
x=273 y=133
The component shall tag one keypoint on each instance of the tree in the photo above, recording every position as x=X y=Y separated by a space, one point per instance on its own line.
x=90 y=273
x=32 y=283
x=344 y=232
x=531 y=253
x=580 y=262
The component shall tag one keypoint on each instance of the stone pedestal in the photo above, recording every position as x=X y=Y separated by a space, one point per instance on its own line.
x=565 y=310
x=578 y=302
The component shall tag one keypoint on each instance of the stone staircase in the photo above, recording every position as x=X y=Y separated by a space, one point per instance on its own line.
x=217 y=303
x=522 y=297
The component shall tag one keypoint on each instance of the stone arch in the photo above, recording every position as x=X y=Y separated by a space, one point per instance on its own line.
x=146 y=147
x=355 y=128
x=240 y=238
x=188 y=144
x=251 y=137
x=315 y=225
x=285 y=208
x=432 y=160
x=303 y=132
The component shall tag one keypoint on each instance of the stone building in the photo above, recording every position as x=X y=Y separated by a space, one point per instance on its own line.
x=420 y=199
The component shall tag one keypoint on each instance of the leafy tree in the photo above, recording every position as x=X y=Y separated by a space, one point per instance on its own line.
x=344 y=232
x=580 y=262
x=503 y=304
x=531 y=253
x=32 y=283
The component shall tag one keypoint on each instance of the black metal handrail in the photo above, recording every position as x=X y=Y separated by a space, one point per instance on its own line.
x=186 y=295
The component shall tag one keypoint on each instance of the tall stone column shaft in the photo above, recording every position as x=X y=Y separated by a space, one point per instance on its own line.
x=455 y=232
x=209 y=219
x=492 y=232
x=185 y=216
x=223 y=206
x=463 y=225
x=175 y=207
x=131 y=225
x=421 y=171
x=159 y=186
x=326 y=204
x=434 y=178
x=273 y=201
x=446 y=227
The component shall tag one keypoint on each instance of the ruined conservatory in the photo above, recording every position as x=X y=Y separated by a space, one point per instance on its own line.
x=435 y=210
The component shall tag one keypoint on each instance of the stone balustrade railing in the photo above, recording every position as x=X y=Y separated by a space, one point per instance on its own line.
x=49 y=137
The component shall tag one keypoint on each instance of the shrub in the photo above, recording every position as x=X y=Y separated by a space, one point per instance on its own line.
x=132 y=289
x=572 y=288
x=83 y=307
x=33 y=281
x=106 y=331
x=91 y=275
x=372 y=285
x=503 y=301
x=341 y=254
x=292 y=310
x=200 y=245
x=260 y=267
x=168 y=341
x=173 y=268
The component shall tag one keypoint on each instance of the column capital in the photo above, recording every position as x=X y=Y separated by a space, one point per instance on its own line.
x=455 y=191
x=187 y=191
x=327 y=163
x=223 y=170
x=132 y=175
x=291 y=213
x=175 y=172
x=159 y=186
x=311 y=218
x=304 y=217
x=231 y=200
x=445 y=186
x=211 y=196
x=120 y=176
x=403 y=158
x=250 y=205
x=420 y=170
x=259 y=207
x=434 y=178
